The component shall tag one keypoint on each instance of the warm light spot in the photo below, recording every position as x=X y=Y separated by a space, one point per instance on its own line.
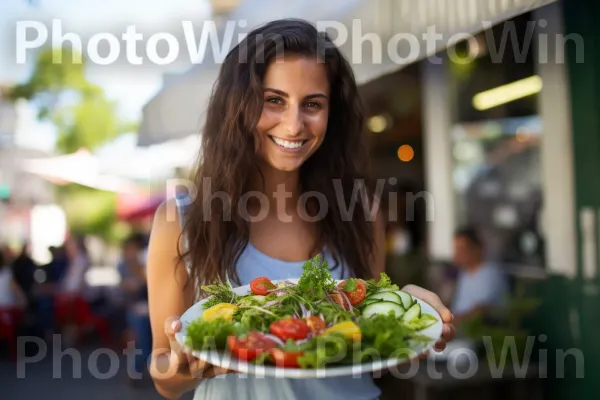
x=507 y=93
x=377 y=124
x=522 y=134
x=405 y=153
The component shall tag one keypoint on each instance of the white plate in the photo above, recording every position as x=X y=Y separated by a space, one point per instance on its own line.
x=225 y=360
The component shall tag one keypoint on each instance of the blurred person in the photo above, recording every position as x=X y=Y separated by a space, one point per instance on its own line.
x=481 y=286
x=12 y=304
x=11 y=294
x=70 y=297
x=132 y=269
x=46 y=291
x=298 y=124
x=23 y=268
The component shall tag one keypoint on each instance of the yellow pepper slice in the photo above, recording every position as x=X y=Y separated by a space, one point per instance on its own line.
x=346 y=328
x=221 y=310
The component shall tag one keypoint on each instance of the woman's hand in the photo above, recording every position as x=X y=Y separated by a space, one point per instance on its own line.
x=185 y=361
x=448 y=330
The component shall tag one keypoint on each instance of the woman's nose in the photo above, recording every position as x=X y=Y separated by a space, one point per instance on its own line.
x=293 y=121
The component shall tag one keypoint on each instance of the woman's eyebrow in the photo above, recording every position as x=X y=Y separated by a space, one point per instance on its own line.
x=284 y=94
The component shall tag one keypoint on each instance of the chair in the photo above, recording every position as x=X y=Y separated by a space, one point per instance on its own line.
x=75 y=310
x=10 y=321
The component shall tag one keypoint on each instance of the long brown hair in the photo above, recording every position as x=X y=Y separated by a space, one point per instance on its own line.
x=215 y=237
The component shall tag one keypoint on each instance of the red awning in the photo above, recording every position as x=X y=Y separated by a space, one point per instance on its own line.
x=137 y=206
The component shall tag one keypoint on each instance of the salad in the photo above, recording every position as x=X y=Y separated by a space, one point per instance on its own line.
x=315 y=322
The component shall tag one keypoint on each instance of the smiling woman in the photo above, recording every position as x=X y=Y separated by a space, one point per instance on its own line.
x=285 y=122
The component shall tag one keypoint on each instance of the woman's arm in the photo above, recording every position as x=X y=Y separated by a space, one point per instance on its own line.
x=167 y=299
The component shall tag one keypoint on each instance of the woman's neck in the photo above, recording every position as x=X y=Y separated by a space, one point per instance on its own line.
x=278 y=186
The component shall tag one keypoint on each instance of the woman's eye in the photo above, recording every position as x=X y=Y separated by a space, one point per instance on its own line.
x=313 y=104
x=275 y=100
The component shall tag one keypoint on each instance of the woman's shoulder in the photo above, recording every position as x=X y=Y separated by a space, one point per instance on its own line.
x=166 y=227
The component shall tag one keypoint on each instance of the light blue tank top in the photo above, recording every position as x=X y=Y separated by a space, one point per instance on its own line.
x=251 y=264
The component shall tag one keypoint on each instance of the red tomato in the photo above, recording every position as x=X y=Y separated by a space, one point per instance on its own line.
x=316 y=324
x=259 y=286
x=285 y=359
x=251 y=346
x=358 y=294
x=290 y=328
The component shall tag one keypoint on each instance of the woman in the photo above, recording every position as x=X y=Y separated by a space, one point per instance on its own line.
x=275 y=130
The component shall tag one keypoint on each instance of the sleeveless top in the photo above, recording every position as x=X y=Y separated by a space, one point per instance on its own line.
x=251 y=264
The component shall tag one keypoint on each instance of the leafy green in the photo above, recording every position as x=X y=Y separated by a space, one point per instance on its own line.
x=316 y=280
x=221 y=293
x=254 y=318
x=203 y=335
x=333 y=313
x=252 y=300
x=384 y=283
x=384 y=335
x=321 y=351
x=350 y=285
x=419 y=324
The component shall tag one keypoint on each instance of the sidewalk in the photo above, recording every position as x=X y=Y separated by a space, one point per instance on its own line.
x=38 y=381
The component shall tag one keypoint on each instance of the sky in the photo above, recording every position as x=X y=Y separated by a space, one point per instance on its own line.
x=131 y=86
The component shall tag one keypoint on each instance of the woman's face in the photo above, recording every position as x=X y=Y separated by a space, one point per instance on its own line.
x=295 y=110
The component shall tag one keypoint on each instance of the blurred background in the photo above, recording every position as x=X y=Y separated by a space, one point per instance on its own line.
x=493 y=144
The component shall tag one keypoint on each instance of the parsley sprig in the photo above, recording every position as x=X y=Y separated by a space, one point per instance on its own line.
x=316 y=280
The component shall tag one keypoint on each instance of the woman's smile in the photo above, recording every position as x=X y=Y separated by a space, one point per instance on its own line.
x=289 y=146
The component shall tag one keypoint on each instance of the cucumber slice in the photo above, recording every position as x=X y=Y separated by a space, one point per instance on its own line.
x=407 y=299
x=383 y=307
x=368 y=301
x=412 y=313
x=386 y=296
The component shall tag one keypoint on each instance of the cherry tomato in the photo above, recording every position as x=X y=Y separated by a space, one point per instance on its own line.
x=290 y=328
x=285 y=359
x=358 y=294
x=259 y=286
x=316 y=324
x=251 y=346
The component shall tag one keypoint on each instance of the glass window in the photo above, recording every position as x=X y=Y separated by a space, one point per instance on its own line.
x=496 y=139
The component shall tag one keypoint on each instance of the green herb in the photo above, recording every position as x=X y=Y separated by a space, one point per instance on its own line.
x=333 y=313
x=384 y=283
x=202 y=335
x=221 y=293
x=350 y=285
x=316 y=280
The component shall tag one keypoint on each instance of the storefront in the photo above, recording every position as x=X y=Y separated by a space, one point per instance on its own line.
x=496 y=141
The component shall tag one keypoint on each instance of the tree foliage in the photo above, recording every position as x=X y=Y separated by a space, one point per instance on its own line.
x=84 y=118
x=83 y=115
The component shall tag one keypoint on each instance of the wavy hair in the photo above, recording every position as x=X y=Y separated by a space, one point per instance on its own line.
x=216 y=237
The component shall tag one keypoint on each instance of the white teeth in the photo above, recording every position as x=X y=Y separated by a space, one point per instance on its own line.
x=286 y=144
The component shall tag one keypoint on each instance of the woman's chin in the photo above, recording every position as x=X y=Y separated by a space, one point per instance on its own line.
x=284 y=166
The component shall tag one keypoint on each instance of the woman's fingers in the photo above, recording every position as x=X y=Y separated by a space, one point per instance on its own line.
x=172 y=326
x=448 y=332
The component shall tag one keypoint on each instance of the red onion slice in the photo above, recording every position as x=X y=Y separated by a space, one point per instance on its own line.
x=346 y=300
x=274 y=338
